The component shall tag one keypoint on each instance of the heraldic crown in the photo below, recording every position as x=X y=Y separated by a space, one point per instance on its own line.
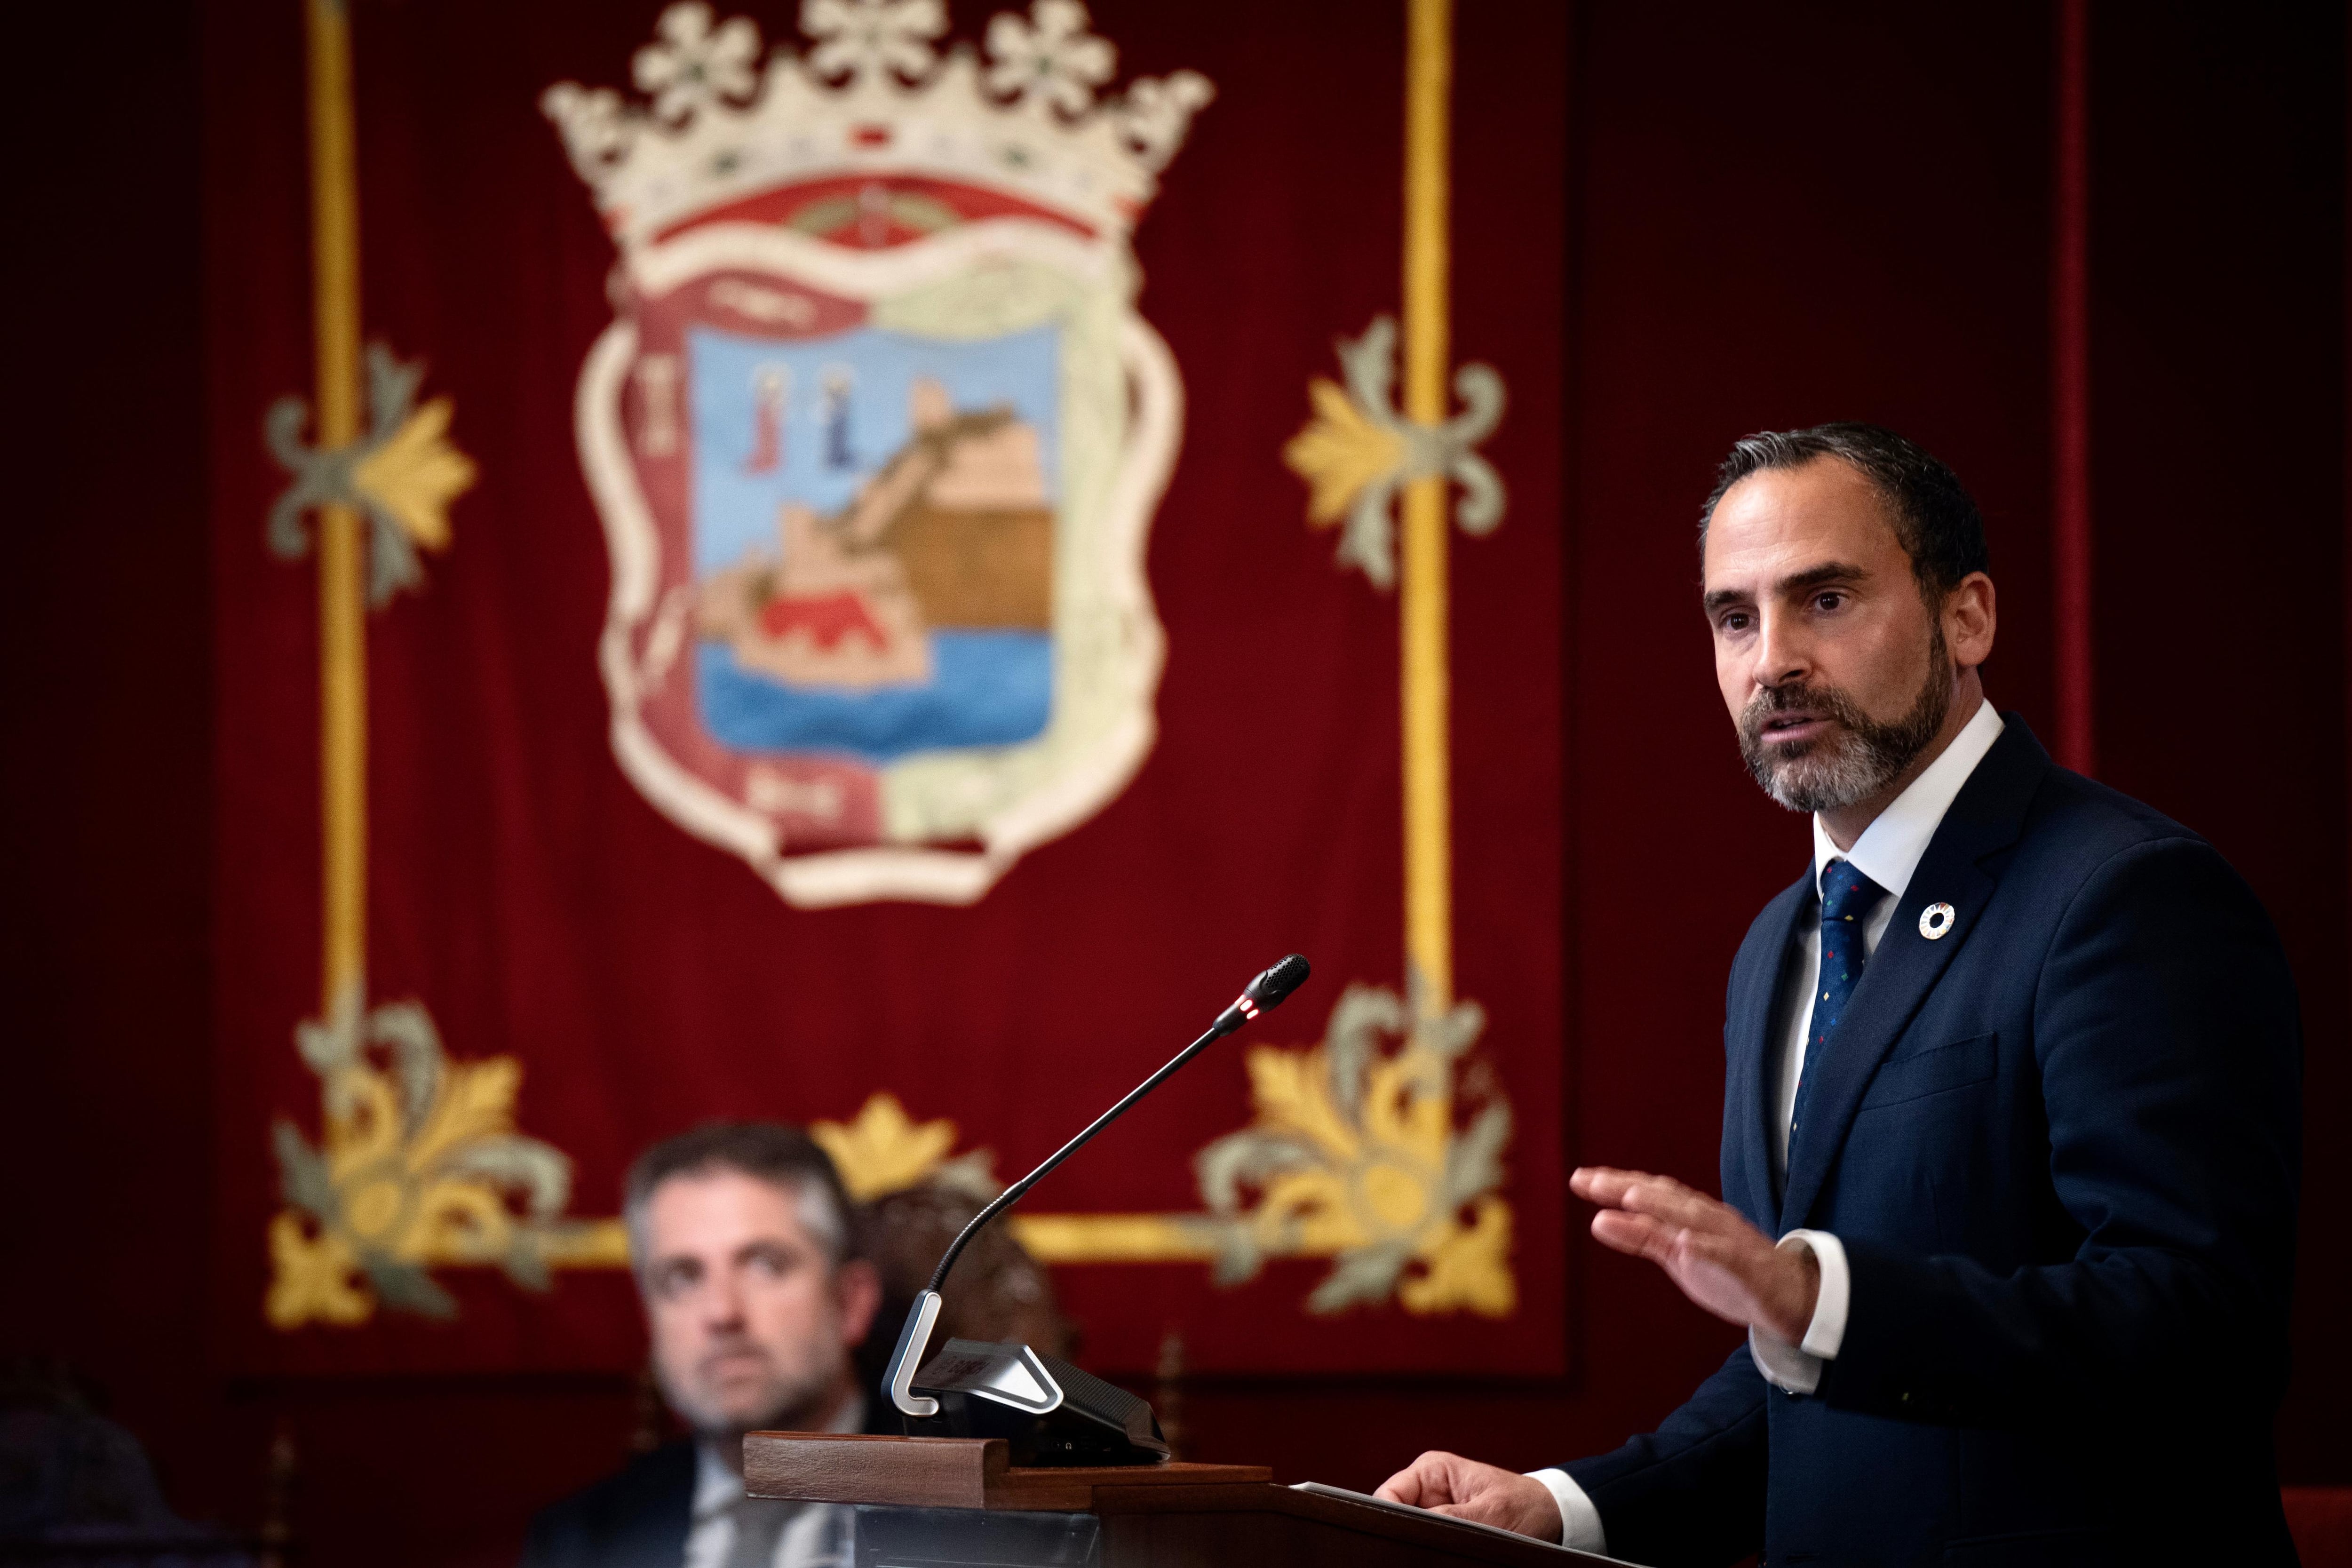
x=873 y=96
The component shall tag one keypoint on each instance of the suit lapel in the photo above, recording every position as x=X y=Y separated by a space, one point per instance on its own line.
x=659 y=1512
x=1987 y=815
x=1754 y=1019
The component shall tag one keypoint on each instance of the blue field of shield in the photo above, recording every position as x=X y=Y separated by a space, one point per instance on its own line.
x=810 y=420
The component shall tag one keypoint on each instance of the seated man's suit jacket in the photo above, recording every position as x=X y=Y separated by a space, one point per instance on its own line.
x=2061 y=1147
x=640 y=1517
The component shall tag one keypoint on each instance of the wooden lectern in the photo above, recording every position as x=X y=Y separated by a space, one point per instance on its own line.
x=954 y=1502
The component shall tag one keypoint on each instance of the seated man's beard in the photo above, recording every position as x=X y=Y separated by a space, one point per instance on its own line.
x=1858 y=758
x=790 y=1392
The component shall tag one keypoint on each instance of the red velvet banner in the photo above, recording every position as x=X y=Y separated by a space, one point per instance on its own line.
x=877 y=671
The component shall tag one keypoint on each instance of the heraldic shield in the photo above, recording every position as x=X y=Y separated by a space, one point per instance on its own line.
x=876 y=440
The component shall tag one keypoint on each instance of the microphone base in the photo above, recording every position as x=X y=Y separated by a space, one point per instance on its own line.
x=1091 y=1423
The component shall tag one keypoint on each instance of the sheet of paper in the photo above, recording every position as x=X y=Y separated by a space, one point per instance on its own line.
x=1319 y=1490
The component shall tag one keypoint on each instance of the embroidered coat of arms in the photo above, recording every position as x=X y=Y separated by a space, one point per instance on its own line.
x=877 y=435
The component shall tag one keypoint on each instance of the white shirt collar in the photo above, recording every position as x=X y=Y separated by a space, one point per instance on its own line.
x=716 y=1488
x=1890 y=849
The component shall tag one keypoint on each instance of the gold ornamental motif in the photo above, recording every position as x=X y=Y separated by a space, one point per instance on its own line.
x=418 y=1165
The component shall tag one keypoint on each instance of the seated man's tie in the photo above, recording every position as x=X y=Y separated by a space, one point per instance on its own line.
x=758 y=1527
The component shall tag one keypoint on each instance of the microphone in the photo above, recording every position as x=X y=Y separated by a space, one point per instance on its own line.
x=1016 y=1375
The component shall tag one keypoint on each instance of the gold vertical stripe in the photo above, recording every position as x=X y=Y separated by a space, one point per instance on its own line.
x=1428 y=791
x=342 y=556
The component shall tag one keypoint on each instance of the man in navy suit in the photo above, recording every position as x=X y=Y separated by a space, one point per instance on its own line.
x=2010 y=1139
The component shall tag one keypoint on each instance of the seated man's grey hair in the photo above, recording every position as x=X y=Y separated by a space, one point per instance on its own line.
x=785 y=1157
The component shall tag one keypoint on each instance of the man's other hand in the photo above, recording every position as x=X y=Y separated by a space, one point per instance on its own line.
x=1486 y=1494
x=1706 y=1248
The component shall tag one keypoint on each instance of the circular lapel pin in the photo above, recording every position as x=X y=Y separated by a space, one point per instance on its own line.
x=1935 y=921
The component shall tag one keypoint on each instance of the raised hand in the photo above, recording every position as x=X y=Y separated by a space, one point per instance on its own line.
x=1450 y=1484
x=1707 y=1248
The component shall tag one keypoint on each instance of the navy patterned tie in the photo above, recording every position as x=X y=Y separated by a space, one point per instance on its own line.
x=1847 y=898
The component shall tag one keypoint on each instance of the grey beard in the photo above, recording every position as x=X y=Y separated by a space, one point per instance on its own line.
x=796 y=1399
x=1859 y=760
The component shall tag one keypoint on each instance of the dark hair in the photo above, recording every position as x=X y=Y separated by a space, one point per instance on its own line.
x=784 y=1157
x=1936 y=518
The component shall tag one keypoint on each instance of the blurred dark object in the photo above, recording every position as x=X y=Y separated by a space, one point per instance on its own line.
x=2320 y=1519
x=75 y=1487
x=997 y=1292
x=278 y=1475
x=654 y=1424
x=1168 y=1391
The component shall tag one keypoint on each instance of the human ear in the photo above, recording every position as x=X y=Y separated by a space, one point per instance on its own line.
x=856 y=1293
x=1971 y=616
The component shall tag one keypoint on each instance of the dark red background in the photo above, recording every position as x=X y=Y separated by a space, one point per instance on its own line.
x=1769 y=219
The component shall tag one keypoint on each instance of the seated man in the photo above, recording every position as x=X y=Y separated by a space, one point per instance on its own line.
x=739 y=1234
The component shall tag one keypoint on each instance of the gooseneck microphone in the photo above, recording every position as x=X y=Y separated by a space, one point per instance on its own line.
x=1261 y=995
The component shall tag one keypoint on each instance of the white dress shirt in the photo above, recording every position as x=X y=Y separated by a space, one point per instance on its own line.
x=817 y=1537
x=1888 y=852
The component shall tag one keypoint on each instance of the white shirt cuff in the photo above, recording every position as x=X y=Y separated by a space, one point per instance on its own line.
x=1580 y=1521
x=1798 y=1368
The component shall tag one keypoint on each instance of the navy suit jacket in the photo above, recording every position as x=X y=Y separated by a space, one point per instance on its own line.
x=640 y=1517
x=2061 y=1148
